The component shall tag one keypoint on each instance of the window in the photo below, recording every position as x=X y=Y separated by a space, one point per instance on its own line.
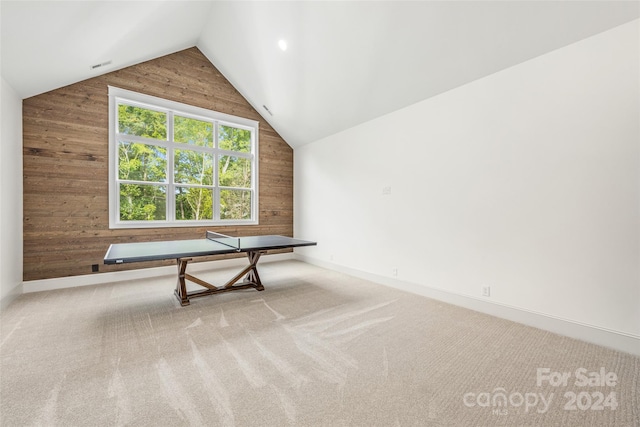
x=172 y=164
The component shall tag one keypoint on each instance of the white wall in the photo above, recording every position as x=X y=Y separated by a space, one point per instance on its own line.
x=10 y=194
x=526 y=180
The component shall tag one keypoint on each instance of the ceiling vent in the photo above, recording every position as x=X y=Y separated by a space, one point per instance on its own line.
x=93 y=67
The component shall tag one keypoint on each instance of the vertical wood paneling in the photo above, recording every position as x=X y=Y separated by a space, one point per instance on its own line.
x=66 y=181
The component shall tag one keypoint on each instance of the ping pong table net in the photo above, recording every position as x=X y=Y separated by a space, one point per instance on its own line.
x=232 y=242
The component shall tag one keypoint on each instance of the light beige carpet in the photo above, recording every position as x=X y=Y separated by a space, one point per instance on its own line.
x=316 y=348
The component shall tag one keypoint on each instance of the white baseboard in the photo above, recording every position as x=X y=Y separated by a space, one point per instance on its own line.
x=616 y=340
x=144 y=273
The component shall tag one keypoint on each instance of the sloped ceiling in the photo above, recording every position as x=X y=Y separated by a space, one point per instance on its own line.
x=347 y=62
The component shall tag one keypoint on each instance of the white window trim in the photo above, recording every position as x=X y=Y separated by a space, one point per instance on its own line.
x=184 y=110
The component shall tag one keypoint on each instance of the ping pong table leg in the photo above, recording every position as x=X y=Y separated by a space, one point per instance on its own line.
x=252 y=275
x=181 y=286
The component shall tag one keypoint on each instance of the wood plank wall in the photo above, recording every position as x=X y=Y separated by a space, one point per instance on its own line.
x=66 y=165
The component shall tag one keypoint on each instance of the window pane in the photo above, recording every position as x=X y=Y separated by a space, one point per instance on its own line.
x=142 y=162
x=234 y=139
x=193 y=167
x=234 y=172
x=235 y=204
x=192 y=131
x=142 y=122
x=143 y=202
x=194 y=203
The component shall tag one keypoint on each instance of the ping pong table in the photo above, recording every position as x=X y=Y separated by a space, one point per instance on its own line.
x=213 y=244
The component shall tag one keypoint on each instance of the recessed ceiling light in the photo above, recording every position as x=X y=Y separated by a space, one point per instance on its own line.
x=282 y=44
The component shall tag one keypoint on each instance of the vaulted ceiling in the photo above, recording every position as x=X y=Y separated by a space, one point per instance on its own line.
x=346 y=62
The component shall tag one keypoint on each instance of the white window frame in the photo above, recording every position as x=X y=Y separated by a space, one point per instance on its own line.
x=118 y=96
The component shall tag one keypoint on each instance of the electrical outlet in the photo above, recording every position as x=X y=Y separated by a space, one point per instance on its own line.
x=394 y=272
x=486 y=291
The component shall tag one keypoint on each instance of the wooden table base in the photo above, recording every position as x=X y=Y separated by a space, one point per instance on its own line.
x=250 y=273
